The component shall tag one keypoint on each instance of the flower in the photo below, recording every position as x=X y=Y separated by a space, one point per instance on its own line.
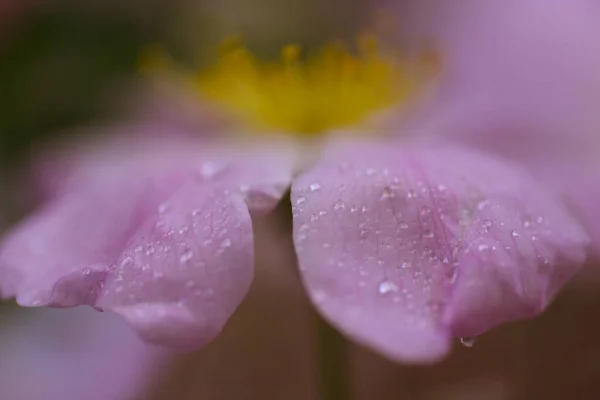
x=404 y=241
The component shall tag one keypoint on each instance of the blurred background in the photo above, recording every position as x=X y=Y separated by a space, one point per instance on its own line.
x=71 y=63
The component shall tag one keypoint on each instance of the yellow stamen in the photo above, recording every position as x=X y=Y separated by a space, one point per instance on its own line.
x=330 y=89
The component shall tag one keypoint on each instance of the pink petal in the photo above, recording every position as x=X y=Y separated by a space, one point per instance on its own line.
x=521 y=82
x=404 y=248
x=160 y=233
x=74 y=354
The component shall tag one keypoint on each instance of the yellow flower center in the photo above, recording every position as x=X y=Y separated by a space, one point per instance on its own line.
x=332 y=88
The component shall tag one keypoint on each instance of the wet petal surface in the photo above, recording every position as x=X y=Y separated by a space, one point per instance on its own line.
x=404 y=248
x=162 y=236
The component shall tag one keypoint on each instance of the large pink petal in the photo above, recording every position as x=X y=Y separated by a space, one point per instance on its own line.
x=404 y=248
x=74 y=354
x=158 y=231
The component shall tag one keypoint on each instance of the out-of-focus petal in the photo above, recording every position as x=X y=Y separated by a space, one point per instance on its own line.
x=74 y=354
x=404 y=248
x=521 y=81
x=159 y=232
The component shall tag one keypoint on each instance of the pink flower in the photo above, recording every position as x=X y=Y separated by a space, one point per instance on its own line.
x=446 y=229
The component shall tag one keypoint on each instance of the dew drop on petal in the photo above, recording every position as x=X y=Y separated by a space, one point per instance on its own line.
x=127 y=262
x=468 y=341
x=163 y=208
x=225 y=243
x=209 y=169
x=186 y=256
x=514 y=234
x=487 y=223
x=300 y=200
x=338 y=205
x=314 y=186
x=386 y=287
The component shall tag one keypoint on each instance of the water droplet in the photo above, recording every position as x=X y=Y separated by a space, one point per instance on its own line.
x=314 y=186
x=468 y=341
x=487 y=223
x=138 y=248
x=425 y=211
x=304 y=227
x=322 y=212
x=386 y=287
x=535 y=238
x=184 y=229
x=225 y=243
x=526 y=222
x=314 y=217
x=127 y=262
x=364 y=209
x=428 y=233
x=186 y=256
x=539 y=220
x=482 y=204
x=442 y=188
x=354 y=208
x=411 y=194
x=196 y=212
x=405 y=264
x=150 y=250
x=483 y=247
x=86 y=271
x=209 y=169
x=403 y=225
x=338 y=205
x=514 y=234
x=300 y=200
x=163 y=208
